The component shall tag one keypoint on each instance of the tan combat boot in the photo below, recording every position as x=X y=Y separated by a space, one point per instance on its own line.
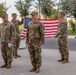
x=61 y=60
x=32 y=69
x=8 y=66
x=18 y=55
x=14 y=55
x=37 y=69
x=65 y=61
x=4 y=65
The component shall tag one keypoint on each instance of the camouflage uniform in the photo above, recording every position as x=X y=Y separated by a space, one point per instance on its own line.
x=7 y=34
x=62 y=39
x=0 y=31
x=35 y=35
x=16 y=24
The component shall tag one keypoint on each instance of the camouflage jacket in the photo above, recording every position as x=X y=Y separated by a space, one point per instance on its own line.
x=7 y=32
x=35 y=32
x=62 y=27
x=16 y=24
x=0 y=30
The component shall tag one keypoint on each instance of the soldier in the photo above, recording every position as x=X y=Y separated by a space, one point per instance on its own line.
x=34 y=39
x=0 y=31
x=62 y=38
x=17 y=40
x=7 y=36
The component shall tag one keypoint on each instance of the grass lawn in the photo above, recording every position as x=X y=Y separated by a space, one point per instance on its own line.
x=70 y=32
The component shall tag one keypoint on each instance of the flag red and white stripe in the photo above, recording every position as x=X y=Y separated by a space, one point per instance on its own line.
x=23 y=34
x=51 y=26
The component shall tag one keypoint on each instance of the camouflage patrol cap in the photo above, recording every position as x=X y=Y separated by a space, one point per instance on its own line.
x=34 y=13
x=14 y=14
x=4 y=15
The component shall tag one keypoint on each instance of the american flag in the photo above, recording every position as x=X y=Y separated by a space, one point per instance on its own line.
x=50 y=25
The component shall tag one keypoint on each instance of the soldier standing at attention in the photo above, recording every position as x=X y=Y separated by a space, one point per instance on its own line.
x=17 y=39
x=34 y=39
x=62 y=38
x=7 y=36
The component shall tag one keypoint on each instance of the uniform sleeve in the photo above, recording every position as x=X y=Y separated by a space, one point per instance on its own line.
x=63 y=27
x=42 y=33
x=0 y=27
x=27 y=35
x=13 y=32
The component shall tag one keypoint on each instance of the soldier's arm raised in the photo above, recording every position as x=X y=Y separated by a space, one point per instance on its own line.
x=20 y=22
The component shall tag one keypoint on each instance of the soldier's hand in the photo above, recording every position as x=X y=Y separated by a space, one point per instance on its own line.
x=19 y=34
x=26 y=43
x=56 y=36
x=40 y=44
x=11 y=41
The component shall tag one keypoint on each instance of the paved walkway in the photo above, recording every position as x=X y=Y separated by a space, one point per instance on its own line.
x=50 y=66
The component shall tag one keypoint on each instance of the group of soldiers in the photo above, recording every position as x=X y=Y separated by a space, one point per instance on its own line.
x=35 y=38
x=10 y=39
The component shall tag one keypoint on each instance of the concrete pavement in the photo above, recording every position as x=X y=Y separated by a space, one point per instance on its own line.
x=50 y=66
x=71 y=36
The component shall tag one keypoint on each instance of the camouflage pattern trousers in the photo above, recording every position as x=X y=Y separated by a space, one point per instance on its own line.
x=0 y=34
x=63 y=49
x=35 y=55
x=16 y=44
x=6 y=52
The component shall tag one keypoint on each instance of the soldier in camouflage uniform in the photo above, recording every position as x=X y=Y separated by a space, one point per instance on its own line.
x=17 y=40
x=34 y=39
x=0 y=31
x=7 y=36
x=62 y=38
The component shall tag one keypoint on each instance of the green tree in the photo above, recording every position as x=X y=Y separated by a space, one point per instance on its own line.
x=72 y=24
x=46 y=7
x=69 y=6
x=54 y=13
x=3 y=8
x=23 y=7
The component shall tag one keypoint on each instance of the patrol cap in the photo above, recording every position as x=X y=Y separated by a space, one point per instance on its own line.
x=14 y=14
x=34 y=13
x=4 y=15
